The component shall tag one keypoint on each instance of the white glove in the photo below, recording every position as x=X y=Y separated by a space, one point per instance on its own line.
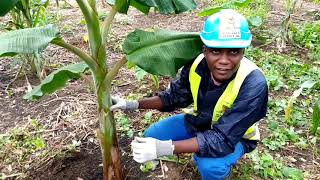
x=120 y=103
x=146 y=149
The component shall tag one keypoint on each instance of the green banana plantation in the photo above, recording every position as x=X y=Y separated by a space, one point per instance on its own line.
x=63 y=61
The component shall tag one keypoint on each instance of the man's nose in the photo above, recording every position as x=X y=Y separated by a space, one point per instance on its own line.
x=224 y=58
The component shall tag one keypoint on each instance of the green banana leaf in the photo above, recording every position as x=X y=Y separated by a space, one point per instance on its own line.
x=164 y=6
x=122 y=6
x=170 y=6
x=228 y=5
x=27 y=41
x=6 y=6
x=141 y=7
x=210 y=11
x=316 y=117
x=243 y=3
x=162 y=52
x=56 y=80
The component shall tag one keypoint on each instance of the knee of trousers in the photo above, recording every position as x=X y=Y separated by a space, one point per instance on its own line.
x=214 y=171
x=150 y=132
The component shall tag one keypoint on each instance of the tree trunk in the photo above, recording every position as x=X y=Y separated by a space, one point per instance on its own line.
x=109 y=148
x=108 y=136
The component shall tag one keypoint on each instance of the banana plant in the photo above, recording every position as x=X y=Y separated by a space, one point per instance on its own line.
x=160 y=52
x=26 y=14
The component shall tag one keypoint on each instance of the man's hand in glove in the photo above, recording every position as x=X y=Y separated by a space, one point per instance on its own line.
x=146 y=149
x=120 y=103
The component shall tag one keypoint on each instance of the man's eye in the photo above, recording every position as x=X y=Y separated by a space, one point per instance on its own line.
x=234 y=52
x=215 y=51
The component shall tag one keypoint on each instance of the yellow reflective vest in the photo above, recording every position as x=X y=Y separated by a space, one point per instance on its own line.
x=229 y=95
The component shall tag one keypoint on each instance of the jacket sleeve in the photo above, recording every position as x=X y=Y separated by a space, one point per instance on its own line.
x=249 y=107
x=179 y=94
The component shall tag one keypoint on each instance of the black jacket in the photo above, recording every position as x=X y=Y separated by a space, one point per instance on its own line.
x=249 y=107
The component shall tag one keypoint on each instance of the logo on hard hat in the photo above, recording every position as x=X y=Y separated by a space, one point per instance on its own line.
x=229 y=26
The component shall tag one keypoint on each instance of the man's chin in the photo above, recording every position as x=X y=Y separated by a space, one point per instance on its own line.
x=221 y=79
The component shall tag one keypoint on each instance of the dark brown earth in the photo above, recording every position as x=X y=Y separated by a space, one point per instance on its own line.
x=70 y=114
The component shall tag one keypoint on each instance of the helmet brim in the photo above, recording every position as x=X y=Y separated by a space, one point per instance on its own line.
x=227 y=43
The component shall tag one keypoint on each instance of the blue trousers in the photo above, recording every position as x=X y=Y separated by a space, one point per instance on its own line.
x=210 y=168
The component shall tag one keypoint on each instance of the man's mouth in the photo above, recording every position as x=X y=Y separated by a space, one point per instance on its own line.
x=223 y=69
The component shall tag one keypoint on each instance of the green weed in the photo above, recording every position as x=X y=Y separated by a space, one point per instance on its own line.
x=259 y=8
x=53 y=18
x=142 y=75
x=74 y=145
x=149 y=166
x=151 y=117
x=294 y=88
x=148 y=118
x=123 y=125
x=135 y=96
x=19 y=144
x=243 y=172
x=268 y=167
x=308 y=35
x=283 y=72
x=67 y=28
x=316 y=1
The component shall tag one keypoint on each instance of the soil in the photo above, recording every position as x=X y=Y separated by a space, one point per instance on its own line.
x=70 y=114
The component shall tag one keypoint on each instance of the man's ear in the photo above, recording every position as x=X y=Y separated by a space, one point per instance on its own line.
x=203 y=48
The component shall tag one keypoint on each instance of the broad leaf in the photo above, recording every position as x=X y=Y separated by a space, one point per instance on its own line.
x=162 y=52
x=308 y=84
x=169 y=6
x=164 y=6
x=316 y=117
x=122 y=6
x=56 y=80
x=6 y=6
x=26 y=41
x=255 y=21
x=130 y=65
x=242 y=3
x=140 y=73
x=210 y=11
x=292 y=173
x=227 y=5
x=143 y=8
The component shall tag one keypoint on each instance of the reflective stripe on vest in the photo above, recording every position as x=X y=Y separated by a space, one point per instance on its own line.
x=229 y=95
x=195 y=80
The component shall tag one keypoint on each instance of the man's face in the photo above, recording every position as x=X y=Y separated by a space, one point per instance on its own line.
x=223 y=62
